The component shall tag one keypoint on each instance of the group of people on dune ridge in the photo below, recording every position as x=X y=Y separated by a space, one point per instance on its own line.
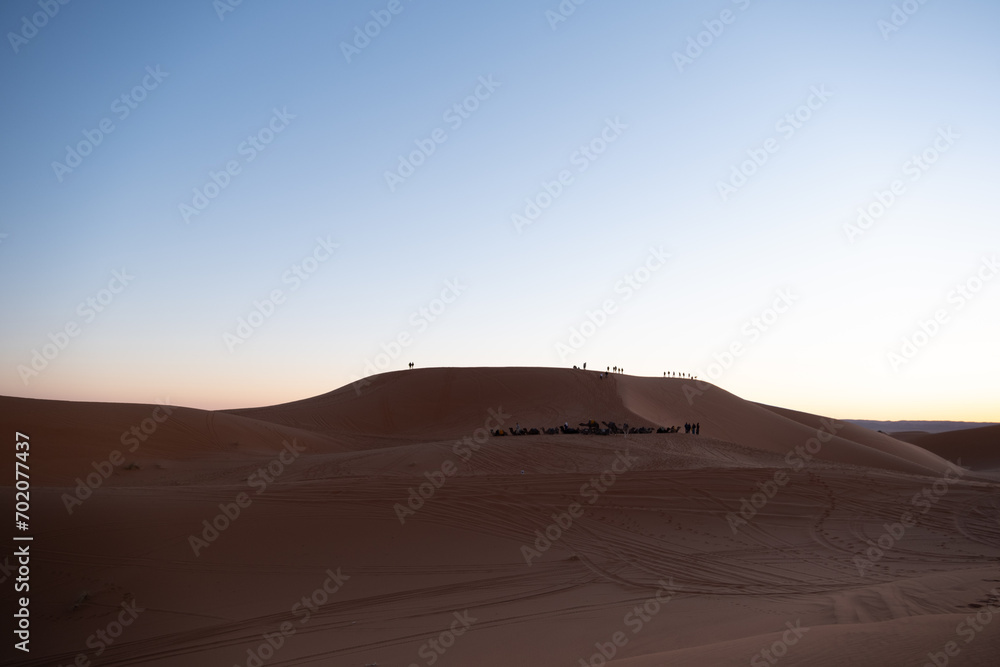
x=618 y=369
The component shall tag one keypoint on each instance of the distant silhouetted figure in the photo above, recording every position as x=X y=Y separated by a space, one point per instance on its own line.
x=697 y=428
x=585 y=365
x=687 y=427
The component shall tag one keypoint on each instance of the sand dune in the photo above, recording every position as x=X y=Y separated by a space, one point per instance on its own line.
x=977 y=448
x=894 y=428
x=695 y=550
x=449 y=403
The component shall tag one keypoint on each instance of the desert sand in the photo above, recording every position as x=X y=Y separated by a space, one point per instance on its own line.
x=380 y=525
x=977 y=448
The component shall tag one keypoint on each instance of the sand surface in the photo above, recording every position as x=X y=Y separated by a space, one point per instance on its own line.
x=978 y=448
x=647 y=558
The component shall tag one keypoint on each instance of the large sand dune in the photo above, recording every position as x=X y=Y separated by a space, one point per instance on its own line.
x=531 y=550
x=447 y=403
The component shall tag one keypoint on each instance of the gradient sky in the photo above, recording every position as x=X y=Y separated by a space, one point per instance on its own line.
x=680 y=132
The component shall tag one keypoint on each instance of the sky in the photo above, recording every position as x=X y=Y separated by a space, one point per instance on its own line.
x=223 y=204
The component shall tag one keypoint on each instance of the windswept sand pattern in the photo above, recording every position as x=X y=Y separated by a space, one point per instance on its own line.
x=665 y=519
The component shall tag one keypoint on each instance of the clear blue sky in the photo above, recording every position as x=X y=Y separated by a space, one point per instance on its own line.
x=665 y=132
